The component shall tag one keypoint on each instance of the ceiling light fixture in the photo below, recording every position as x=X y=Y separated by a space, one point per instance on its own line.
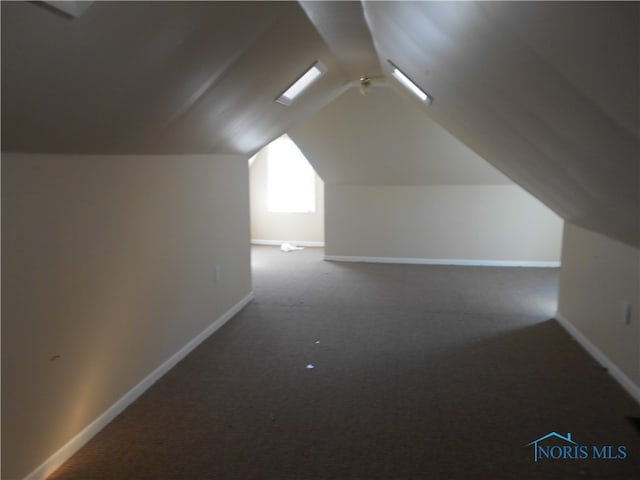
x=409 y=84
x=307 y=78
x=365 y=84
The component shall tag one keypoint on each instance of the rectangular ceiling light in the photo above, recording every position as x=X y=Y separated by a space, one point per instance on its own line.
x=408 y=83
x=307 y=78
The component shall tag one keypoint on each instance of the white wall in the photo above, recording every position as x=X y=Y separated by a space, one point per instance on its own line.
x=399 y=186
x=598 y=276
x=278 y=226
x=500 y=223
x=385 y=139
x=107 y=271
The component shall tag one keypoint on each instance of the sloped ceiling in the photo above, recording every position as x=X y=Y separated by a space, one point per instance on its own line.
x=343 y=28
x=545 y=91
x=385 y=139
x=156 y=77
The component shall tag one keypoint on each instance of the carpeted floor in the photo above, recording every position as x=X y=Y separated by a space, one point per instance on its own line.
x=419 y=372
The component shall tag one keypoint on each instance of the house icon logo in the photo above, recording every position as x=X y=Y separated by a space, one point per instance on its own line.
x=535 y=443
x=554 y=446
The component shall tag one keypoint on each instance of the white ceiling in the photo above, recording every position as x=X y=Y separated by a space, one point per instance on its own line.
x=547 y=92
x=156 y=77
x=509 y=81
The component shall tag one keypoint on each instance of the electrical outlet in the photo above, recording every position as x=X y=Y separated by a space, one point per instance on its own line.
x=626 y=313
x=218 y=272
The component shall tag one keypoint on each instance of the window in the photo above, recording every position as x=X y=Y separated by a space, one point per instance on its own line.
x=290 y=179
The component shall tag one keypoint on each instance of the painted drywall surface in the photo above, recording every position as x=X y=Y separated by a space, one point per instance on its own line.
x=168 y=77
x=265 y=225
x=440 y=222
x=510 y=80
x=399 y=185
x=598 y=276
x=384 y=139
x=107 y=270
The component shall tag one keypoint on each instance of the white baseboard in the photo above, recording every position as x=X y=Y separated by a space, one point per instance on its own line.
x=298 y=243
x=632 y=388
x=77 y=442
x=444 y=261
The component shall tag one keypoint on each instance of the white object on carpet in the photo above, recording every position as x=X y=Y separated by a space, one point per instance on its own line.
x=287 y=247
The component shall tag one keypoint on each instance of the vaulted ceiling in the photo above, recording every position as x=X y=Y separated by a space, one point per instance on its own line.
x=547 y=92
x=156 y=77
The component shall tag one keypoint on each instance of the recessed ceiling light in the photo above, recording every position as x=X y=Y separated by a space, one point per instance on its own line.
x=307 y=78
x=409 y=84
